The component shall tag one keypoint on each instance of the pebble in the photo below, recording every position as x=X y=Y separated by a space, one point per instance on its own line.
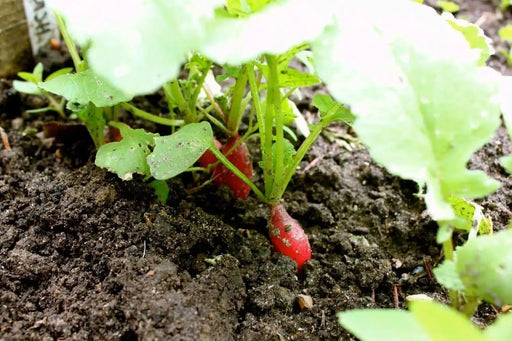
x=305 y=302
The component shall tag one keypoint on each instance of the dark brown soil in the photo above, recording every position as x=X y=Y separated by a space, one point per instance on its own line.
x=85 y=255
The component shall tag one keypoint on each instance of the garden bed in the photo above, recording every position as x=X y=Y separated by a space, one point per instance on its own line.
x=85 y=255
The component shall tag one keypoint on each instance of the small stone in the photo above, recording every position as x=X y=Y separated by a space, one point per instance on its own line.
x=418 y=297
x=305 y=302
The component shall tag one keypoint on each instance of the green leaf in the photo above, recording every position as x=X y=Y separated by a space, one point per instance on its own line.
x=138 y=45
x=285 y=58
x=504 y=4
x=291 y=78
x=289 y=152
x=306 y=58
x=444 y=323
x=505 y=32
x=234 y=7
x=161 y=189
x=175 y=153
x=231 y=71
x=412 y=105
x=506 y=162
x=471 y=215
x=28 y=77
x=386 y=325
x=446 y=274
x=475 y=36
x=26 y=87
x=506 y=109
x=501 y=329
x=485 y=266
x=257 y=5
x=448 y=6
x=84 y=87
x=127 y=156
x=274 y=29
x=60 y=72
x=94 y=120
x=38 y=73
x=331 y=111
x=124 y=37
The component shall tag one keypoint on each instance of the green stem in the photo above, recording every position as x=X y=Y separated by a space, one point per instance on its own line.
x=196 y=169
x=242 y=139
x=216 y=105
x=265 y=138
x=173 y=94
x=448 y=249
x=115 y=113
x=236 y=112
x=268 y=161
x=289 y=93
x=274 y=102
x=215 y=121
x=150 y=117
x=470 y=306
x=213 y=148
x=448 y=255
x=193 y=100
x=56 y=106
x=69 y=43
x=297 y=158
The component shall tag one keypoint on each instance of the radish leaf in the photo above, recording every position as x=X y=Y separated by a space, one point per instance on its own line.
x=84 y=87
x=444 y=323
x=94 y=120
x=331 y=111
x=138 y=45
x=484 y=265
x=412 y=103
x=175 y=153
x=500 y=330
x=387 y=325
x=127 y=156
x=446 y=275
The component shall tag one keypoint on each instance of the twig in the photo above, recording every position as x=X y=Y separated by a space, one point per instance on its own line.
x=5 y=140
x=395 y=297
x=428 y=269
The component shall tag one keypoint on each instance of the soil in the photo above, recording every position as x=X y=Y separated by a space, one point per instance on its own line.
x=85 y=255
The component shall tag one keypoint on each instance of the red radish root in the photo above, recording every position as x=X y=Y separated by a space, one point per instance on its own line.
x=208 y=158
x=287 y=236
x=241 y=158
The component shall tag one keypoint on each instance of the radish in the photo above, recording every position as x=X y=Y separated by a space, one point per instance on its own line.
x=287 y=236
x=208 y=158
x=239 y=157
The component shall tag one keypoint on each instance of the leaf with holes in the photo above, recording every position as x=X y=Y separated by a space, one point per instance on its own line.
x=175 y=153
x=84 y=87
x=127 y=156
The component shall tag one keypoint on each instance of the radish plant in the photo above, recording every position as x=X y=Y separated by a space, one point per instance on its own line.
x=410 y=105
x=425 y=321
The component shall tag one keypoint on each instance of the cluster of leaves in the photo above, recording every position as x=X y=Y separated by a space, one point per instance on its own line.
x=424 y=321
x=410 y=106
